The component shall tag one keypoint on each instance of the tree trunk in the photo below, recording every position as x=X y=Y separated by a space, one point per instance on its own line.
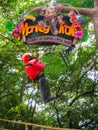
x=95 y=20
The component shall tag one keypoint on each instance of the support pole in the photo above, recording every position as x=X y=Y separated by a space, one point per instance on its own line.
x=26 y=127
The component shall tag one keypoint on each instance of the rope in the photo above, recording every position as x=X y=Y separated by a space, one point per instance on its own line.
x=35 y=125
x=65 y=58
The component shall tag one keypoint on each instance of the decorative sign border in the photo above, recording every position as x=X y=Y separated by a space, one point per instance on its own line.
x=51 y=39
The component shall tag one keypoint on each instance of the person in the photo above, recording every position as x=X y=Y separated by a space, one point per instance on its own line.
x=33 y=65
x=34 y=69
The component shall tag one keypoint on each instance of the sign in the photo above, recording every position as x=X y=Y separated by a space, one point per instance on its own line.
x=49 y=27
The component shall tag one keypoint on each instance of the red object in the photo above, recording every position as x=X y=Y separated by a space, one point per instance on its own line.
x=26 y=57
x=33 y=68
x=17 y=31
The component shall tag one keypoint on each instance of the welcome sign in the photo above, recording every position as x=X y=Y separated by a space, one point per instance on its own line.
x=49 y=27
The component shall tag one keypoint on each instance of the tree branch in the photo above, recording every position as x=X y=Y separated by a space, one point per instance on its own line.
x=2 y=36
x=83 y=94
x=96 y=3
x=87 y=123
x=83 y=11
x=57 y=115
x=10 y=94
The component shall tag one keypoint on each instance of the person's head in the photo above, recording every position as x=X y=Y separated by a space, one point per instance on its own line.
x=27 y=57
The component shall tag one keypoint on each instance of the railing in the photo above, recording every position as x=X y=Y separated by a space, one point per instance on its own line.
x=3 y=129
x=34 y=125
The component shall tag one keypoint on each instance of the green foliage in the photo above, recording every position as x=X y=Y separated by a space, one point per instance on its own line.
x=9 y=27
x=54 y=65
x=80 y=3
x=20 y=99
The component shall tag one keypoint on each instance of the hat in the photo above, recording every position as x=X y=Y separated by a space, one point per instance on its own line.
x=26 y=57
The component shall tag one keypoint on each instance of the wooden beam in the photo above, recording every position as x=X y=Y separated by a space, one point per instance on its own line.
x=35 y=125
x=4 y=129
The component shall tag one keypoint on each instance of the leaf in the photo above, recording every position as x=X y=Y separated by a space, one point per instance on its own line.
x=85 y=37
x=9 y=26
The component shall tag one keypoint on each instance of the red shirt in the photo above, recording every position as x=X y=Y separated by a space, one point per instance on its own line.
x=33 y=68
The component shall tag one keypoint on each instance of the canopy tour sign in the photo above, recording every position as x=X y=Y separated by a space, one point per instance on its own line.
x=49 y=27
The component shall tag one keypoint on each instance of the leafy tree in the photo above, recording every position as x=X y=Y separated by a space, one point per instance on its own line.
x=70 y=76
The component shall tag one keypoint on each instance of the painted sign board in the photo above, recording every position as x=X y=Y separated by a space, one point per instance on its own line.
x=49 y=27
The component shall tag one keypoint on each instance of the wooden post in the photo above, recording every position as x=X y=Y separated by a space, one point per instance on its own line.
x=26 y=127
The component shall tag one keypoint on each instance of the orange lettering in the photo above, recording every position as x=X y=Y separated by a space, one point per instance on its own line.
x=31 y=29
x=68 y=30
x=44 y=29
x=63 y=29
